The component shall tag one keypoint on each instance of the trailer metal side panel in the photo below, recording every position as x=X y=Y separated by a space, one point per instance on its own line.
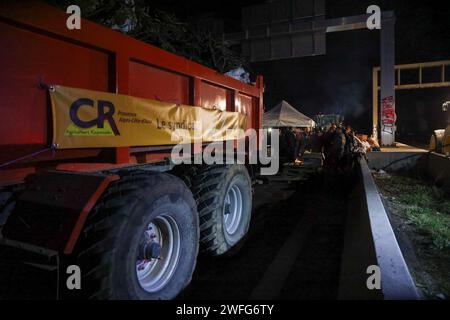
x=246 y=105
x=155 y=83
x=30 y=57
x=215 y=97
x=36 y=46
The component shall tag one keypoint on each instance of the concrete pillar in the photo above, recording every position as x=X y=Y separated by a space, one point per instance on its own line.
x=388 y=116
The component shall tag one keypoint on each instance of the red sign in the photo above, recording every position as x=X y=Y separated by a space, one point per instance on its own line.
x=388 y=116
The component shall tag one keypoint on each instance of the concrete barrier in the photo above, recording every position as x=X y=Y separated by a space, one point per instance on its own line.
x=394 y=161
x=370 y=240
x=433 y=166
x=438 y=170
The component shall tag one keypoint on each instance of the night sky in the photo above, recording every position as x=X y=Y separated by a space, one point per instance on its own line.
x=340 y=81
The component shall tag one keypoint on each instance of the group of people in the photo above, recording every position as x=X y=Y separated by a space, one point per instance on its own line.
x=294 y=142
x=339 y=145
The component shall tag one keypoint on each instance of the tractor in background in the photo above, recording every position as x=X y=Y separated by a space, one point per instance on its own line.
x=440 y=140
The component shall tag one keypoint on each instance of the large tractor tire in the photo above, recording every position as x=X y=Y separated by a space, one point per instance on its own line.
x=186 y=173
x=224 y=200
x=436 y=141
x=141 y=241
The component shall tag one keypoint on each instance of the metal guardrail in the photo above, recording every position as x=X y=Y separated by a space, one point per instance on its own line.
x=370 y=240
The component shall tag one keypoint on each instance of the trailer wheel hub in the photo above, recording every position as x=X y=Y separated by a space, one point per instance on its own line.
x=232 y=209
x=149 y=250
x=158 y=253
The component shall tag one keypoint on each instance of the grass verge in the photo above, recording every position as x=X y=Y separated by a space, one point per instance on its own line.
x=420 y=213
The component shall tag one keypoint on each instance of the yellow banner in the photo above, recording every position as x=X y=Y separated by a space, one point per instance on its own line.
x=85 y=119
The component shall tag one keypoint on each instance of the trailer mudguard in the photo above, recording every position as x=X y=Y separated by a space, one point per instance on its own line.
x=53 y=208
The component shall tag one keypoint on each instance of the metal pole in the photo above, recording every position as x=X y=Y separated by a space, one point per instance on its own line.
x=375 y=103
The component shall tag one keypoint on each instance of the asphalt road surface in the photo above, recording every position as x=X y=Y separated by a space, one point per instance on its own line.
x=292 y=251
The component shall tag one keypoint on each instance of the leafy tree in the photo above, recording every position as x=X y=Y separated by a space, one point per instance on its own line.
x=141 y=20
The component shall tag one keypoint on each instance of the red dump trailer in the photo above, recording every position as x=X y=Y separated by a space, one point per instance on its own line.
x=131 y=220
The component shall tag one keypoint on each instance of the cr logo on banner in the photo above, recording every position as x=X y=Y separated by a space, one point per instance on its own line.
x=105 y=112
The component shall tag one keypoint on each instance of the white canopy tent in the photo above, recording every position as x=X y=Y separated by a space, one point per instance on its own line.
x=285 y=115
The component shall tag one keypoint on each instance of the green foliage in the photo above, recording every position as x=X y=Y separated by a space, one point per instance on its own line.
x=422 y=198
x=140 y=20
x=433 y=223
x=424 y=205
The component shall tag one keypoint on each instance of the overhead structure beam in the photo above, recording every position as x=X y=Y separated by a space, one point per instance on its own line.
x=387 y=58
x=387 y=54
x=350 y=23
x=329 y=26
x=318 y=25
x=419 y=68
